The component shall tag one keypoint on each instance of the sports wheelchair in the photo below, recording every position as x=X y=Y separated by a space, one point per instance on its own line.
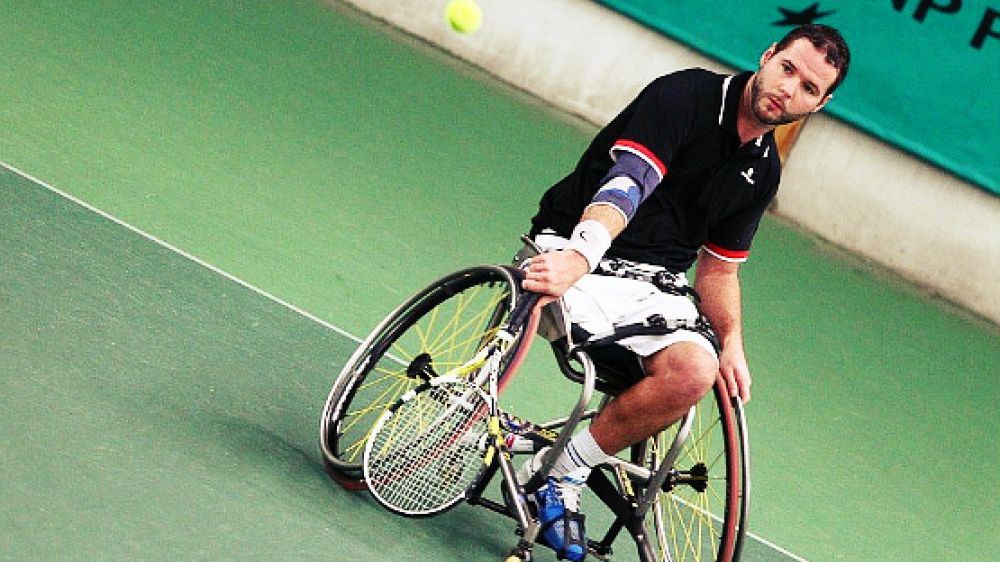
x=416 y=416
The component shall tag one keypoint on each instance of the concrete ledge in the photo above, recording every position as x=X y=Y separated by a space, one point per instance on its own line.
x=846 y=186
x=882 y=203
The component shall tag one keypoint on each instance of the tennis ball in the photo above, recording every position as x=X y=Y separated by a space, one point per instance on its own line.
x=464 y=16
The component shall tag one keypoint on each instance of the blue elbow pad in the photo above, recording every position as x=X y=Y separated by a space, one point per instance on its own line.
x=628 y=183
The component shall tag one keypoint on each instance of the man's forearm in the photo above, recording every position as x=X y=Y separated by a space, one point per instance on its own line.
x=607 y=215
x=718 y=284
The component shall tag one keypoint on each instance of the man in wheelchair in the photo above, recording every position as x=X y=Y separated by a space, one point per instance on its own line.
x=681 y=177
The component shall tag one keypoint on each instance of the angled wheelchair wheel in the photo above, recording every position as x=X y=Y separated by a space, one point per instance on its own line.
x=431 y=334
x=697 y=516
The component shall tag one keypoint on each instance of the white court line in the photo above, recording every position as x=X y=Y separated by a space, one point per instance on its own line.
x=777 y=548
x=181 y=252
x=259 y=291
x=757 y=538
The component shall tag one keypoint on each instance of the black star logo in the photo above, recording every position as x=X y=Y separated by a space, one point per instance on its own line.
x=809 y=15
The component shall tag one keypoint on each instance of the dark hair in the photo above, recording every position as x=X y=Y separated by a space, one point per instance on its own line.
x=823 y=37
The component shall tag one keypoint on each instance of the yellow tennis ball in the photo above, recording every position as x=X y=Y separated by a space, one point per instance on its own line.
x=464 y=16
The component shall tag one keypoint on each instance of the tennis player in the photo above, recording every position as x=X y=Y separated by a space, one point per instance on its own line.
x=682 y=175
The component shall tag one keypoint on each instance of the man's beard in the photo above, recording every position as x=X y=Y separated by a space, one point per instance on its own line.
x=764 y=118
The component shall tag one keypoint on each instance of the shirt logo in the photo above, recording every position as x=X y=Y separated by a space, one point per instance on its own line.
x=747 y=175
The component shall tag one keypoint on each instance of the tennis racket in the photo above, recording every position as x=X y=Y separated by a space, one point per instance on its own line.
x=425 y=451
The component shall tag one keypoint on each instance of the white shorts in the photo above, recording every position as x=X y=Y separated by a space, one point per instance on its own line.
x=598 y=303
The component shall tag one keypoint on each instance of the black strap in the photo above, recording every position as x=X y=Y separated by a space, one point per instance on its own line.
x=655 y=325
x=663 y=279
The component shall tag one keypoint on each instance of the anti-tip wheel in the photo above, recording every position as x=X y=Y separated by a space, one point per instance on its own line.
x=519 y=554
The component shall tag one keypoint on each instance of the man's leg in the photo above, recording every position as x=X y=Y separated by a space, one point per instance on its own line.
x=678 y=377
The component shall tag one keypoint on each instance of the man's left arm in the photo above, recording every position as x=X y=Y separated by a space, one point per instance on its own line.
x=717 y=282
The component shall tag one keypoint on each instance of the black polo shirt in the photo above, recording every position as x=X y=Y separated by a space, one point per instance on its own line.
x=713 y=190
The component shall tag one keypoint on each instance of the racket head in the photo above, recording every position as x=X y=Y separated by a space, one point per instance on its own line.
x=424 y=452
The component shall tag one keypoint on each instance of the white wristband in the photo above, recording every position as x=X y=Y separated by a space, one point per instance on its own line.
x=591 y=238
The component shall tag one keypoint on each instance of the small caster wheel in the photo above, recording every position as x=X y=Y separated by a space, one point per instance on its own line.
x=519 y=554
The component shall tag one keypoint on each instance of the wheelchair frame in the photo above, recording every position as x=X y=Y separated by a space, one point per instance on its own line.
x=628 y=488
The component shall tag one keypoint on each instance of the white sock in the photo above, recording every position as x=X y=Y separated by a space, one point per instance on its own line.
x=582 y=454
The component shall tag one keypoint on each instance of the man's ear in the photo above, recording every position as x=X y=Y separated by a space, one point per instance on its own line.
x=768 y=53
x=823 y=103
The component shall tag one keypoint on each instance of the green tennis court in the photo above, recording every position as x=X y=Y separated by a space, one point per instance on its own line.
x=227 y=193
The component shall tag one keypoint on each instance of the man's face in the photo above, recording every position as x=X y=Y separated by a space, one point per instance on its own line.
x=791 y=83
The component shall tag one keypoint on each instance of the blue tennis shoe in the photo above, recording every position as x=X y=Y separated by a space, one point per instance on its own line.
x=558 y=505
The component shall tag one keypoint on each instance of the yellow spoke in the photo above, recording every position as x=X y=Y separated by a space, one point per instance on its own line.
x=393 y=383
x=685 y=525
x=467 y=341
x=695 y=448
x=386 y=375
x=382 y=402
x=677 y=528
x=488 y=312
x=429 y=328
x=393 y=426
x=446 y=345
x=479 y=318
x=461 y=303
x=464 y=327
x=398 y=351
x=716 y=493
x=693 y=522
x=449 y=351
x=359 y=414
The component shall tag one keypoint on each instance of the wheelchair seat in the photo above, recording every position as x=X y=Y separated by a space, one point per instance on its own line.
x=616 y=368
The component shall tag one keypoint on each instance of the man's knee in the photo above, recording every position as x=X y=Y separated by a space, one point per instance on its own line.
x=687 y=370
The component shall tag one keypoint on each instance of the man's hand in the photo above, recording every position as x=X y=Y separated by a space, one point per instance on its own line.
x=553 y=273
x=735 y=371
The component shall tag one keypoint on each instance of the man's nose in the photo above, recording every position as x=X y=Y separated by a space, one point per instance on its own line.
x=786 y=87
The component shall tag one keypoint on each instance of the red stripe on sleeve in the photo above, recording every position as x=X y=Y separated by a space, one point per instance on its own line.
x=645 y=152
x=729 y=255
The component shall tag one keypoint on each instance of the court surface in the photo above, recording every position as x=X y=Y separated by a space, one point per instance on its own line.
x=279 y=177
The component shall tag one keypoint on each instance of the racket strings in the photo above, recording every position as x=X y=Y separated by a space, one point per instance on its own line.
x=424 y=456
